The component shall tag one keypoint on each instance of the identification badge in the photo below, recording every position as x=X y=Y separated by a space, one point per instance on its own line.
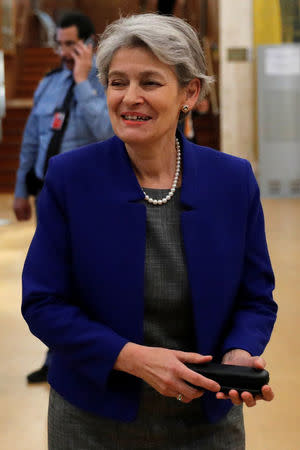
x=58 y=120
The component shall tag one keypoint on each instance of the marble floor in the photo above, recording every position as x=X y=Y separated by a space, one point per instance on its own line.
x=272 y=426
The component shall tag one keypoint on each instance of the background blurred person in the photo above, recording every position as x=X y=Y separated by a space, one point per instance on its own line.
x=69 y=111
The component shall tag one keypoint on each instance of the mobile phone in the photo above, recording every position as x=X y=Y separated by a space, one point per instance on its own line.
x=89 y=41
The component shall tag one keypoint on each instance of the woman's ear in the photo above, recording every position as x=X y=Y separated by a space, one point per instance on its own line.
x=192 y=91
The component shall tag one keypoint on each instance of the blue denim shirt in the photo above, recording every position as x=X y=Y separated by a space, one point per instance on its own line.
x=88 y=121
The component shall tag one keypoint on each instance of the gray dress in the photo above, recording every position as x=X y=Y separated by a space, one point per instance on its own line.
x=163 y=423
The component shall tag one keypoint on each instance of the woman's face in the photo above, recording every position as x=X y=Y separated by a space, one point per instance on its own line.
x=143 y=96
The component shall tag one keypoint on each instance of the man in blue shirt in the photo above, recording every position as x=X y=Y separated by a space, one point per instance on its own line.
x=88 y=116
x=88 y=119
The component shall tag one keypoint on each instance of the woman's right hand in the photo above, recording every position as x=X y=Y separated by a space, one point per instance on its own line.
x=165 y=370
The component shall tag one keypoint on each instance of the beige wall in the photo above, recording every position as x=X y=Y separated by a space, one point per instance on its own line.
x=236 y=79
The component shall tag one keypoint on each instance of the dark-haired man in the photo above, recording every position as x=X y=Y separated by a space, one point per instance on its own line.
x=88 y=119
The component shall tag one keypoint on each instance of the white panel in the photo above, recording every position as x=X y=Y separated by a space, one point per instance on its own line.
x=279 y=120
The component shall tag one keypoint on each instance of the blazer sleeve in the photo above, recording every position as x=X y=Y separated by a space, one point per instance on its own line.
x=48 y=307
x=255 y=311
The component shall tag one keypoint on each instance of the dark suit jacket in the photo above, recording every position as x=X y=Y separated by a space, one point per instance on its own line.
x=83 y=279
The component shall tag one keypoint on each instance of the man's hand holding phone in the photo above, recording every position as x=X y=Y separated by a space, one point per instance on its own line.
x=82 y=55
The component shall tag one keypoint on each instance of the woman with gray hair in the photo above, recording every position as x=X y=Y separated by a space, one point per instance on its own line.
x=156 y=259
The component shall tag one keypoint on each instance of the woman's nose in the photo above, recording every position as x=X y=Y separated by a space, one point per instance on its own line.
x=133 y=95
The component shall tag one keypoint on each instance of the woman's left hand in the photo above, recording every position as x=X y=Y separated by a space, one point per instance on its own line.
x=239 y=357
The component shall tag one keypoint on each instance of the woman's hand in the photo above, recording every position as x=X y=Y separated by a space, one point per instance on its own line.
x=239 y=357
x=165 y=370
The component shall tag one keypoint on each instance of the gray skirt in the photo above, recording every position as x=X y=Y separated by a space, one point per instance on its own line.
x=163 y=423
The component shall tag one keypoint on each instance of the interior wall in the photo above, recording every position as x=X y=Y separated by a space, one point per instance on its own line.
x=237 y=90
x=101 y=13
x=104 y=12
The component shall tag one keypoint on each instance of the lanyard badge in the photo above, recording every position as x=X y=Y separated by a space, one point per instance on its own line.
x=58 y=120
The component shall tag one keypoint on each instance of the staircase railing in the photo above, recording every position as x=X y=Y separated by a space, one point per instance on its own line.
x=48 y=25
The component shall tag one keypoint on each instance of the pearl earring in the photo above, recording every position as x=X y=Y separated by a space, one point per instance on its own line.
x=185 y=109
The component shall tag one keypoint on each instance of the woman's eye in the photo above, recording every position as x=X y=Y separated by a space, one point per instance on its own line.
x=116 y=83
x=151 y=83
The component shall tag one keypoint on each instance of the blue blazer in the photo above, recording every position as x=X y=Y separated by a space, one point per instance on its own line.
x=83 y=279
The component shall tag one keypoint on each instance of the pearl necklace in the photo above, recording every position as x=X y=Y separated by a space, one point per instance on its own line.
x=175 y=181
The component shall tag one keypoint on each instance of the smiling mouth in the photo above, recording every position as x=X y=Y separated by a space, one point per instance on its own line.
x=135 y=118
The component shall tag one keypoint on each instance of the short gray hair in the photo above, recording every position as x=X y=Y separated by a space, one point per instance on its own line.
x=172 y=40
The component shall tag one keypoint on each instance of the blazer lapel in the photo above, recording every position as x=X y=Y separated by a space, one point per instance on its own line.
x=111 y=211
x=129 y=220
x=200 y=231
